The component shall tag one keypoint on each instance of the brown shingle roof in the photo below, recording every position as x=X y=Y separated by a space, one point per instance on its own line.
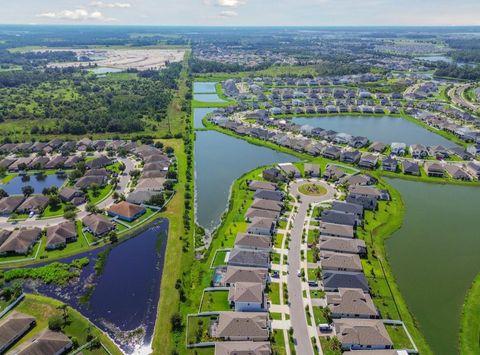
x=47 y=342
x=126 y=209
x=14 y=326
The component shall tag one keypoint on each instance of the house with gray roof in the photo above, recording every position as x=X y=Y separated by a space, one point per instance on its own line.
x=235 y=274
x=312 y=170
x=61 y=234
x=269 y=195
x=410 y=168
x=389 y=164
x=35 y=204
x=457 y=172
x=46 y=342
x=253 y=241
x=350 y=157
x=12 y=327
x=351 y=303
x=331 y=152
x=348 y=207
x=270 y=205
x=243 y=347
x=289 y=169
x=262 y=185
x=264 y=226
x=9 y=204
x=434 y=169
x=343 y=245
x=333 y=280
x=336 y=230
x=250 y=258
x=340 y=261
x=362 y=334
x=97 y=224
x=368 y=161
x=253 y=213
x=472 y=168
x=368 y=203
x=333 y=172
x=20 y=241
x=339 y=217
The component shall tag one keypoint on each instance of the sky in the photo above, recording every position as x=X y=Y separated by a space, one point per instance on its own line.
x=243 y=12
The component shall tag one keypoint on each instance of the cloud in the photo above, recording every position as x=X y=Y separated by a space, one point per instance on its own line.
x=75 y=15
x=228 y=13
x=225 y=3
x=111 y=5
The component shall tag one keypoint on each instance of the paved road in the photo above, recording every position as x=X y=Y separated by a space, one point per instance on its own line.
x=43 y=223
x=295 y=293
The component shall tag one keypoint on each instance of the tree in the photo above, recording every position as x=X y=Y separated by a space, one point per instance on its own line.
x=27 y=190
x=54 y=202
x=55 y=323
x=70 y=215
x=156 y=200
x=176 y=322
x=95 y=189
x=3 y=193
x=91 y=208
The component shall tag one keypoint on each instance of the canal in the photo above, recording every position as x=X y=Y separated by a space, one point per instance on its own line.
x=435 y=256
x=386 y=129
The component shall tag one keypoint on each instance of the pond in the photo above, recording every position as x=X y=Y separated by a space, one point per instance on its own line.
x=386 y=129
x=207 y=98
x=435 y=58
x=435 y=256
x=38 y=182
x=105 y=70
x=125 y=296
x=204 y=87
x=219 y=160
x=199 y=114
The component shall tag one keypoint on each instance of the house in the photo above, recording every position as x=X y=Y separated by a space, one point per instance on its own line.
x=97 y=224
x=97 y=172
x=243 y=347
x=457 y=172
x=472 y=168
x=362 y=334
x=263 y=226
x=141 y=196
x=461 y=153
x=241 y=326
x=351 y=303
x=259 y=213
x=290 y=170
x=99 y=162
x=418 y=151
x=434 y=169
x=71 y=161
x=35 y=204
x=350 y=157
x=368 y=161
x=343 y=245
x=438 y=151
x=46 y=342
x=255 y=185
x=377 y=147
x=253 y=241
x=331 y=152
x=333 y=280
x=20 y=241
x=247 y=297
x=126 y=211
x=9 y=204
x=13 y=327
x=312 y=170
x=398 y=148
x=336 y=230
x=86 y=182
x=366 y=191
x=333 y=172
x=340 y=261
x=56 y=162
x=339 y=217
x=357 y=179
x=269 y=195
x=234 y=274
x=69 y=194
x=150 y=184
x=410 y=168
x=251 y=258
x=270 y=205
x=389 y=164
x=348 y=207
x=273 y=174
x=368 y=202
x=61 y=234
x=474 y=149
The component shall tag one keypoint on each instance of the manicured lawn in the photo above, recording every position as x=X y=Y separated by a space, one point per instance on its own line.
x=329 y=346
x=12 y=258
x=275 y=316
x=49 y=212
x=215 y=301
x=282 y=224
x=310 y=256
x=148 y=213
x=274 y=293
x=312 y=236
x=276 y=258
x=101 y=194
x=399 y=337
x=312 y=189
x=277 y=242
x=318 y=314
x=278 y=342
x=312 y=274
x=470 y=322
x=220 y=258
x=42 y=308
x=317 y=294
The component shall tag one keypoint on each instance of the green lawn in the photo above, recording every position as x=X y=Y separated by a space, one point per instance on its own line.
x=275 y=316
x=42 y=308
x=215 y=301
x=276 y=258
x=148 y=214
x=312 y=274
x=197 y=330
x=318 y=314
x=278 y=342
x=220 y=258
x=274 y=293
x=312 y=236
x=50 y=212
x=101 y=194
x=317 y=294
x=399 y=337
x=277 y=241
x=470 y=323
x=329 y=346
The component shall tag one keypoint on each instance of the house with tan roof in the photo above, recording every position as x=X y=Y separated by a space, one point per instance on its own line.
x=253 y=241
x=13 y=327
x=9 y=204
x=59 y=235
x=351 y=303
x=241 y=326
x=253 y=213
x=255 y=185
x=343 y=245
x=235 y=274
x=46 y=342
x=362 y=334
x=243 y=347
x=35 y=204
x=264 y=226
x=97 y=224
x=20 y=241
x=340 y=261
x=126 y=211
x=247 y=297
x=336 y=230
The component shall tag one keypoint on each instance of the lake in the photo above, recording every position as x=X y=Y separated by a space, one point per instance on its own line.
x=435 y=58
x=199 y=114
x=104 y=70
x=14 y=186
x=204 y=87
x=386 y=129
x=126 y=294
x=435 y=256
x=207 y=98
x=219 y=160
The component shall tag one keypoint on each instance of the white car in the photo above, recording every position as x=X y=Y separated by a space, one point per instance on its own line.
x=31 y=214
x=299 y=273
